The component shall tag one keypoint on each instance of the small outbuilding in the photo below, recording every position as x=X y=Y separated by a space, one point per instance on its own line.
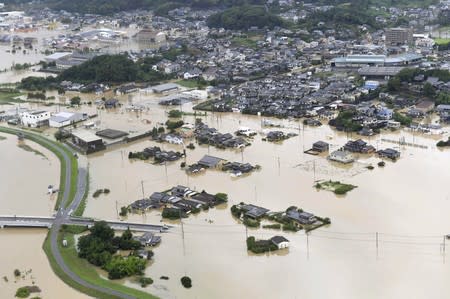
x=280 y=241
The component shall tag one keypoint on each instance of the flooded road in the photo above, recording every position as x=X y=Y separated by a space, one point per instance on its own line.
x=402 y=205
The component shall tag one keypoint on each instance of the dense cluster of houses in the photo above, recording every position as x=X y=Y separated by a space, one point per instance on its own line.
x=180 y=199
x=155 y=152
x=211 y=136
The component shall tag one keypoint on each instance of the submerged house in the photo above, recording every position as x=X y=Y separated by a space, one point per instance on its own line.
x=280 y=241
x=301 y=217
x=253 y=211
x=389 y=153
x=359 y=146
x=341 y=156
x=321 y=146
x=148 y=239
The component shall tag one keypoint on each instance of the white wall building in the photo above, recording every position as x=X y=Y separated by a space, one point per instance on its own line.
x=62 y=119
x=341 y=156
x=35 y=118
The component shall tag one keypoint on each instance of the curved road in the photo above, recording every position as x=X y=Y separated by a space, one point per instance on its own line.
x=63 y=214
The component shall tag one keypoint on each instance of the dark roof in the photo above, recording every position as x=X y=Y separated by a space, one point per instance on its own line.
x=254 y=211
x=209 y=161
x=278 y=239
x=111 y=134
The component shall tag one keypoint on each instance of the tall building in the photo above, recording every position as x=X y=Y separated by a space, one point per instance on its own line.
x=398 y=36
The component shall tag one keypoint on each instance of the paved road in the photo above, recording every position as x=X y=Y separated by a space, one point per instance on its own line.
x=33 y=221
x=63 y=215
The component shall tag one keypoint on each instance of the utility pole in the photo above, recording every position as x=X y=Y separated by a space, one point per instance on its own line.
x=376 y=238
x=307 y=246
x=182 y=233
x=117 y=211
x=142 y=187
x=278 y=165
x=443 y=244
x=165 y=168
x=314 y=169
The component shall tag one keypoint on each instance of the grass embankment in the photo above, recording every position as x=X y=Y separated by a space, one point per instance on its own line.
x=335 y=186
x=82 y=206
x=9 y=96
x=84 y=270
x=51 y=146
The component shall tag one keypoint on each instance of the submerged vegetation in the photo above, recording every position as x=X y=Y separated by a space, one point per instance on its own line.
x=335 y=186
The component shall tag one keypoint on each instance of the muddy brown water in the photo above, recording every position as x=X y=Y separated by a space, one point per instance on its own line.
x=405 y=202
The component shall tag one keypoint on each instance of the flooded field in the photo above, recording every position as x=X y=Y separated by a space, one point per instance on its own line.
x=402 y=205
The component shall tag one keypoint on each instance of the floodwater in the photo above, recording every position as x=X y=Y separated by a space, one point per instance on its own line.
x=24 y=177
x=402 y=204
x=37 y=170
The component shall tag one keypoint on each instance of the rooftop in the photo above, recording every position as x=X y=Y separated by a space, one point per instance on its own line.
x=85 y=135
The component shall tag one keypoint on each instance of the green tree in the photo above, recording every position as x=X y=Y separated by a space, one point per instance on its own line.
x=394 y=84
x=75 y=101
x=221 y=197
x=429 y=90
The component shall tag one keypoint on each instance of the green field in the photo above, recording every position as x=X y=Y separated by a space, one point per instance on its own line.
x=187 y=83
x=9 y=97
x=442 y=41
x=86 y=271
x=244 y=42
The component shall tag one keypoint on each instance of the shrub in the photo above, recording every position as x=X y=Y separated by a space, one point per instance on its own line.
x=23 y=292
x=164 y=278
x=221 y=197
x=17 y=272
x=106 y=191
x=145 y=281
x=175 y=113
x=97 y=193
x=186 y=282
x=236 y=212
x=273 y=226
x=172 y=125
x=251 y=222
x=290 y=227
x=381 y=164
x=343 y=188
x=123 y=211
